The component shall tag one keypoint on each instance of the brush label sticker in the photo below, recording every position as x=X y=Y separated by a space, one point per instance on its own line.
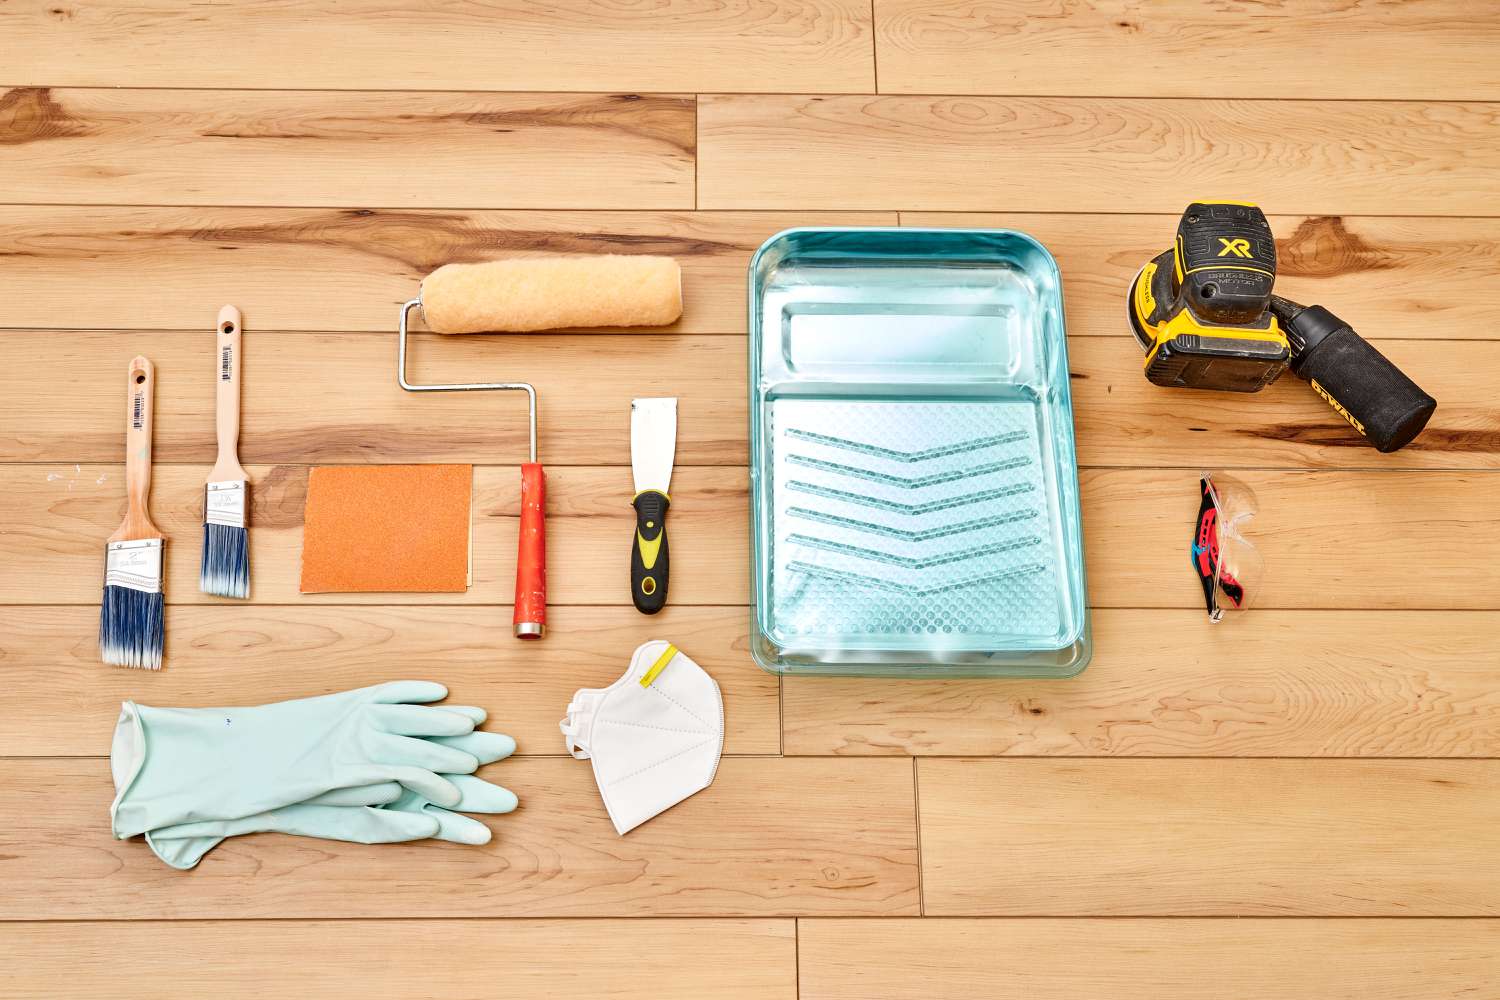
x=136 y=565
x=224 y=503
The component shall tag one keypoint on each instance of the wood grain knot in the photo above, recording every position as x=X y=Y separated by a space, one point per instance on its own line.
x=31 y=114
x=1323 y=247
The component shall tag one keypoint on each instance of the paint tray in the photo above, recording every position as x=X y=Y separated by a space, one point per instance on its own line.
x=914 y=489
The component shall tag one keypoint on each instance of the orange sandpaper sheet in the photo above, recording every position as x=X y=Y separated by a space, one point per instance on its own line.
x=387 y=529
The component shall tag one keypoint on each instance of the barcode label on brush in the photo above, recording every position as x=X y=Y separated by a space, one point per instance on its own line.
x=137 y=410
x=226 y=356
x=136 y=565
x=224 y=503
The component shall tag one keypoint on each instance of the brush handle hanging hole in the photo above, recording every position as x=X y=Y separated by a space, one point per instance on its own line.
x=227 y=329
x=140 y=377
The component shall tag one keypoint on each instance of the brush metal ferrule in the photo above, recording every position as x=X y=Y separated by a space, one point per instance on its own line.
x=135 y=565
x=224 y=503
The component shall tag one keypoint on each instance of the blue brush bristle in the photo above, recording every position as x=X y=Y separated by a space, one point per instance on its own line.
x=131 y=630
x=225 y=567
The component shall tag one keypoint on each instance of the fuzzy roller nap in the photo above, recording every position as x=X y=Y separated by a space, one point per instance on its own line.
x=552 y=293
x=520 y=295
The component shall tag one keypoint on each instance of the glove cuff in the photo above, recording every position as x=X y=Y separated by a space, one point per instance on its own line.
x=127 y=755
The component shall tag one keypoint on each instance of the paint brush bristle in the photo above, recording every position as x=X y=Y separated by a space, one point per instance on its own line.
x=224 y=569
x=132 y=629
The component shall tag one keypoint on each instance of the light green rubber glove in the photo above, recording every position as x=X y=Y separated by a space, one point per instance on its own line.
x=175 y=766
x=369 y=814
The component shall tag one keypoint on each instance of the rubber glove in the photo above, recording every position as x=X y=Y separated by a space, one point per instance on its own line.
x=174 y=766
x=369 y=814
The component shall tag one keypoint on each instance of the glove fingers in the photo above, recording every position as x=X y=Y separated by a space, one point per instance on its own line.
x=432 y=787
x=396 y=692
x=420 y=720
x=485 y=747
x=468 y=711
x=479 y=796
x=457 y=829
x=409 y=751
x=360 y=795
x=358 y=824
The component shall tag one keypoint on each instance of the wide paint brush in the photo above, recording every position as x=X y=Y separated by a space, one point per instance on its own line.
x=225 y=567
x=131 y=617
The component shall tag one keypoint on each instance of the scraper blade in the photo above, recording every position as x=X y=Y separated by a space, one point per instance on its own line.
x=653 y=442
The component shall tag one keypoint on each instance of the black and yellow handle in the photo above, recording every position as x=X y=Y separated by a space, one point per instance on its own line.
x=649 y=560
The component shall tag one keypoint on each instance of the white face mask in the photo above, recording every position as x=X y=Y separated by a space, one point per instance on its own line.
x=654 y=735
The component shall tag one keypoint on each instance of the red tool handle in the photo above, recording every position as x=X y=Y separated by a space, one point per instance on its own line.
x=531 y=556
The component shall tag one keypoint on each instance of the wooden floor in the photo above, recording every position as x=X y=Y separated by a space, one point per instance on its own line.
x=1328 y=770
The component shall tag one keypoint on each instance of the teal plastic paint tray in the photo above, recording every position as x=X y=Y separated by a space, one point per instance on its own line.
x=914 y=489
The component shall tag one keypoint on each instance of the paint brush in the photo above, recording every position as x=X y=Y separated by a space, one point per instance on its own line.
x=225 y=567
x=131 y=632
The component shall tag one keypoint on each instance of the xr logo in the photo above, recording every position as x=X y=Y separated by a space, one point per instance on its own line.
x=1234 y=248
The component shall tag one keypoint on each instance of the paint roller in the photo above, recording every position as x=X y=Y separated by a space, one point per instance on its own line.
x=521 y=295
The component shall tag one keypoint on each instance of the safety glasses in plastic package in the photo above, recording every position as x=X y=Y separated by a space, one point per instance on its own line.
x=1229 y=567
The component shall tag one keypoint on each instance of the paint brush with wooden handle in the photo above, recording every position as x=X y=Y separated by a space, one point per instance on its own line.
x=131 y=630
x=225 y=566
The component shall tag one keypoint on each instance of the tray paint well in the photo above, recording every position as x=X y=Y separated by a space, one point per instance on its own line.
x=913 y=481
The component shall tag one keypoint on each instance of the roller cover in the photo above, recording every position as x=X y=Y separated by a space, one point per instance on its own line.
x=552 y=293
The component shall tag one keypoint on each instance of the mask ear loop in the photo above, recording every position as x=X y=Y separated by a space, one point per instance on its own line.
x=580 y=722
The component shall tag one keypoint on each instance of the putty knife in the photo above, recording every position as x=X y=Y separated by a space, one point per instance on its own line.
x=653 y=441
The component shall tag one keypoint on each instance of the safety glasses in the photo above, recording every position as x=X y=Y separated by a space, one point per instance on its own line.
x=1228 y=565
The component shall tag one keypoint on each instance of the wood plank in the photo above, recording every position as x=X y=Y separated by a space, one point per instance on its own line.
x=345 y=270
x=739 y=45
x=1044 y=959
x=52 y=535
x=368 y=149
x=1407 y=278
x=1210 y=837
x=1080 y=154
x=387 y=959
x=1289 y=683
x=1121 y=419
x=1315 y=49
x=221 y=655
x=117 y=268
x=1330 y=540
x=771 y=837
x=294 y=409
x=1344 y=540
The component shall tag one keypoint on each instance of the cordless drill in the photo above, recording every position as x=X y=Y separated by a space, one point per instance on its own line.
x=1205 y=314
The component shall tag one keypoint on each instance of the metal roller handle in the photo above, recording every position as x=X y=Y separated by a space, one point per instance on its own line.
x=530 y=620
x=409 y=386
